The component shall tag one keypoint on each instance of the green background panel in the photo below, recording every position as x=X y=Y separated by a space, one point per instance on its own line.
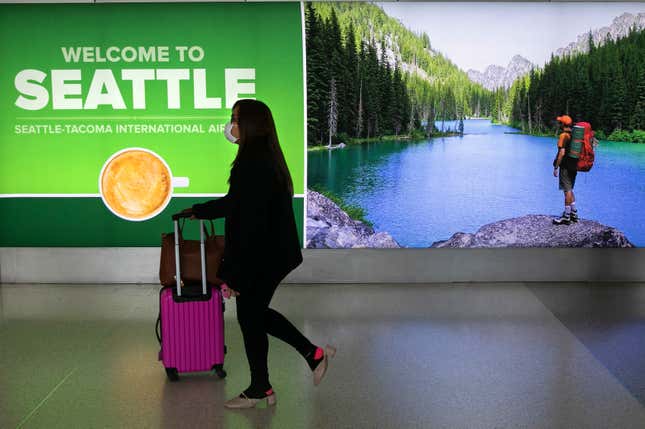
x=86 y=222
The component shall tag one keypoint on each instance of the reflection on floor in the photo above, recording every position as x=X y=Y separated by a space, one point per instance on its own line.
x=409 y=356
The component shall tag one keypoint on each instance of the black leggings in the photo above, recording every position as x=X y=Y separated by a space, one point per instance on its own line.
x=256 y=321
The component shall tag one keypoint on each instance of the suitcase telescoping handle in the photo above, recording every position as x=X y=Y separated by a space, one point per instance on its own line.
x=202 y=251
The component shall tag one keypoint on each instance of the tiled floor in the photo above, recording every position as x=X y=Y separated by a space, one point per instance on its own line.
x=409 y=356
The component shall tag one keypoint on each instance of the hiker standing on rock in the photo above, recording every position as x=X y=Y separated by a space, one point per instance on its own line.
x=567 y=167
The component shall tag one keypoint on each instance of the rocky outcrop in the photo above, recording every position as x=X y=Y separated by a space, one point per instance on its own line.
x=329 y=227
x=501 y=77
x=538 y=231
x=619 y=28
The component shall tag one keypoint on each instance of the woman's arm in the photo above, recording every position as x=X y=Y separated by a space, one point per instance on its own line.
x=213 y=209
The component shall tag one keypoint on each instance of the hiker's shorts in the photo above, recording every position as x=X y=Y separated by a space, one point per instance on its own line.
x=567 y=179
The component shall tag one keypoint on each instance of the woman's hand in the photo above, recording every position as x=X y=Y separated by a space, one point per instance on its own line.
x=227 y=292
x=189 y=210
x=555 y=172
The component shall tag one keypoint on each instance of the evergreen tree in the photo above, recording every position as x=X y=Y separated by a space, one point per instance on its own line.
x=335 y=74
x=361 y=116
x=315 y=83
x=591 y=45
x=638 y=117
x=384 y=92
x=372 y=86
x=333 y=111
x=616 y=96
x=352 y=84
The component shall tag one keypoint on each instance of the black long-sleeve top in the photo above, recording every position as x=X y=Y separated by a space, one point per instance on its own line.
x=261 y=237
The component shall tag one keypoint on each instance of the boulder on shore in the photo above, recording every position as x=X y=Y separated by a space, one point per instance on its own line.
x=329 y=227
x=538 y=231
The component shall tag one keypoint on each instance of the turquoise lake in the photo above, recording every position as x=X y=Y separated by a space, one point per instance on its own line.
x=422 y=192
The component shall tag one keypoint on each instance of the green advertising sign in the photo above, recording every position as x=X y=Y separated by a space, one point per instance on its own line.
x=92 y=94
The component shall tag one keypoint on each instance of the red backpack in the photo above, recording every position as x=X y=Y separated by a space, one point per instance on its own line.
x=584 y=141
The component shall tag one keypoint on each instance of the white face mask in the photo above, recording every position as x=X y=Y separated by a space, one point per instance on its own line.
x=227 y=133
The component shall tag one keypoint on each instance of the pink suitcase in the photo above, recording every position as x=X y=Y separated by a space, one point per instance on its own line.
x=190 y=327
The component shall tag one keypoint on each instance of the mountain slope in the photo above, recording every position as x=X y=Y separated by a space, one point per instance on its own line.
x=619 y=28
x=502 y=77
x=413 y=52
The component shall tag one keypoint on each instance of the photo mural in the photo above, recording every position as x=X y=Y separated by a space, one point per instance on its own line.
x=435 y=125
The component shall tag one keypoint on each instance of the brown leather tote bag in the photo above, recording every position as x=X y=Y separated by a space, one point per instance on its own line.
x=190 y=259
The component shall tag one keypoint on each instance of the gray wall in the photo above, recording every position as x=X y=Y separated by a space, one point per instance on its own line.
x=140 y=265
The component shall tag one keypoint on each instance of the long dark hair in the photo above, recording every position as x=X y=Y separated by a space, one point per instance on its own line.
x=259 y=139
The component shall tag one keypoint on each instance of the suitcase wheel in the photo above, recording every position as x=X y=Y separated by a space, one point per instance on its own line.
x=173 y=374
x=219 y=370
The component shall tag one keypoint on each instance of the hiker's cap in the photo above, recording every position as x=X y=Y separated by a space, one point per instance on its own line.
x=565 y=119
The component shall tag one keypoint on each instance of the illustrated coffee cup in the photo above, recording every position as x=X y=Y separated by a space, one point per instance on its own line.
x=136 y=184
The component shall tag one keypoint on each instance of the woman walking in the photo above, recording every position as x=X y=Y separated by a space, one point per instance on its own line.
x=261 y=246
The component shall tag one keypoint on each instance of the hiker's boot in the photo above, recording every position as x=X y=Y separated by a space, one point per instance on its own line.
x=565 y=219
x=574 y=216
